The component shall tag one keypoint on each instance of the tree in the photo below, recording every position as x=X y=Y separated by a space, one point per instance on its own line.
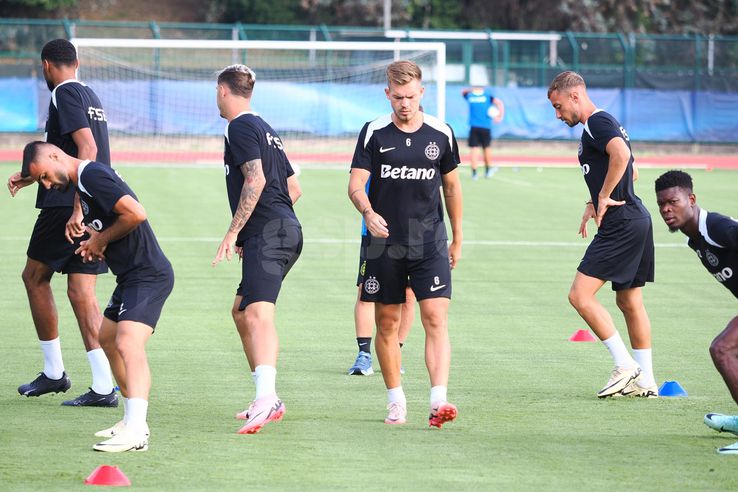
x=32 y=8
x=261 y=11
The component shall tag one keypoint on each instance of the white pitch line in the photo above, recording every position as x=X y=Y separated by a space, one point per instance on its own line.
x=524 y=244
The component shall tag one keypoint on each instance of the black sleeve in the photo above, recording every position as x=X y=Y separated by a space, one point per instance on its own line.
x=450 y=159
x=244 y=141
x=723 y=230
x=105 y=188
x=603 y=129
x=72 y=114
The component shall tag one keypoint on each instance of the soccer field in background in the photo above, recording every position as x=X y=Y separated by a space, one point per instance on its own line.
x=528 y=414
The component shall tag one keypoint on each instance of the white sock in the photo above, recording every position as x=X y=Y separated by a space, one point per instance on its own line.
x=125 y=409
x=619 y=352
x=136 y=410
x=396 y=395
x=266 y=381
x=643 y=357
x=102 y=380
x=438 y=393
x=53 y=363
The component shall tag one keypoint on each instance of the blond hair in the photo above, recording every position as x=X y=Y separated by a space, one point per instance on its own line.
x=402 y=72
x=240 y=79
x=566 y=81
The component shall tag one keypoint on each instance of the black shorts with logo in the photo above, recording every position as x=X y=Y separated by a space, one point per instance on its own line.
x=140 y=299
x=391 y=267
x=267 y=258
x=480 y=137
x=622 y=253
x=49 y=245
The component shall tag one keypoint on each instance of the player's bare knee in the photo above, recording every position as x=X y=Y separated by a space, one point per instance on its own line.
x=255 y=320
x=387 y=325
x=237 y=314
x=627 y=305
x=35 y=277
x=127 y=347
x=434 y=323
x=720 y=351
x=79 y=295
x=576 y=300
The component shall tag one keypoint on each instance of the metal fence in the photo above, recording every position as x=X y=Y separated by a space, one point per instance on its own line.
x=503 y=59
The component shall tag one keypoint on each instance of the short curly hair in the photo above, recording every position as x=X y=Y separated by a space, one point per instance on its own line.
x=674 y=178
x=59 y=52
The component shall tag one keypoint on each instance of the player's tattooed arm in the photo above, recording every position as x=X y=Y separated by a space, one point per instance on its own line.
x=253 y=185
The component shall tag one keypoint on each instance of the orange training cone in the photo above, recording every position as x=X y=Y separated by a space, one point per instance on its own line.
x=107 y=475
x=582 y=336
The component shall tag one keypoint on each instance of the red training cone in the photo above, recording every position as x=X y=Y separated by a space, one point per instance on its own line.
x=582 y=336
x=107 y=475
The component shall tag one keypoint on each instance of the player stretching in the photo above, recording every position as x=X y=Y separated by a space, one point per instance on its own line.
x=408 y=155
x=714 y=237
x=120 y=234
x=622 y=250
x=76 y=123
x=262 y=188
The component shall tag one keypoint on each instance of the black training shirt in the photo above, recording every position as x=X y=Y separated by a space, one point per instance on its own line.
x=406 y=170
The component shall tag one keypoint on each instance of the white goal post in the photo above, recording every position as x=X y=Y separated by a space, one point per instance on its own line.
x=159 y=94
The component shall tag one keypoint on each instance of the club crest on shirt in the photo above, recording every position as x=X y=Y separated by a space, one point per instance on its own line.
x=432 y=151
x=711 y=258
x=371 y=285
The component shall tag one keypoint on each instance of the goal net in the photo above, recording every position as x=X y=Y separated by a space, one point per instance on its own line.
x=159 y=95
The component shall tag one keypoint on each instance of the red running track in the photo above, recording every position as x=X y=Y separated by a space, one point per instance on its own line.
x=707 y=161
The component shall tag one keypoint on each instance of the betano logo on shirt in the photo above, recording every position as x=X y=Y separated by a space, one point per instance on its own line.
x=405 y=172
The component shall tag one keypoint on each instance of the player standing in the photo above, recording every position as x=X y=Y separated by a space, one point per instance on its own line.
x=262 y=187
x=364 y=317
x=408 y=155
x=714 y=237
x=622 y=250
x=119 y=233
x=76 y=123
x=481 y=100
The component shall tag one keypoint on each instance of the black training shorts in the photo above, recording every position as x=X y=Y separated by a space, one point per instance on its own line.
x=267 y=258
x=480 y=137
x=140 y=299
x=389 y=270
x=621 y=253
x=49 y=245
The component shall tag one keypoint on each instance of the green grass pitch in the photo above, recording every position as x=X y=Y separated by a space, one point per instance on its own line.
x=528 y=415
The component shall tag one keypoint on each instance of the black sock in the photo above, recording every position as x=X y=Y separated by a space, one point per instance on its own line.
x=474 y=172
x=365 y=344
